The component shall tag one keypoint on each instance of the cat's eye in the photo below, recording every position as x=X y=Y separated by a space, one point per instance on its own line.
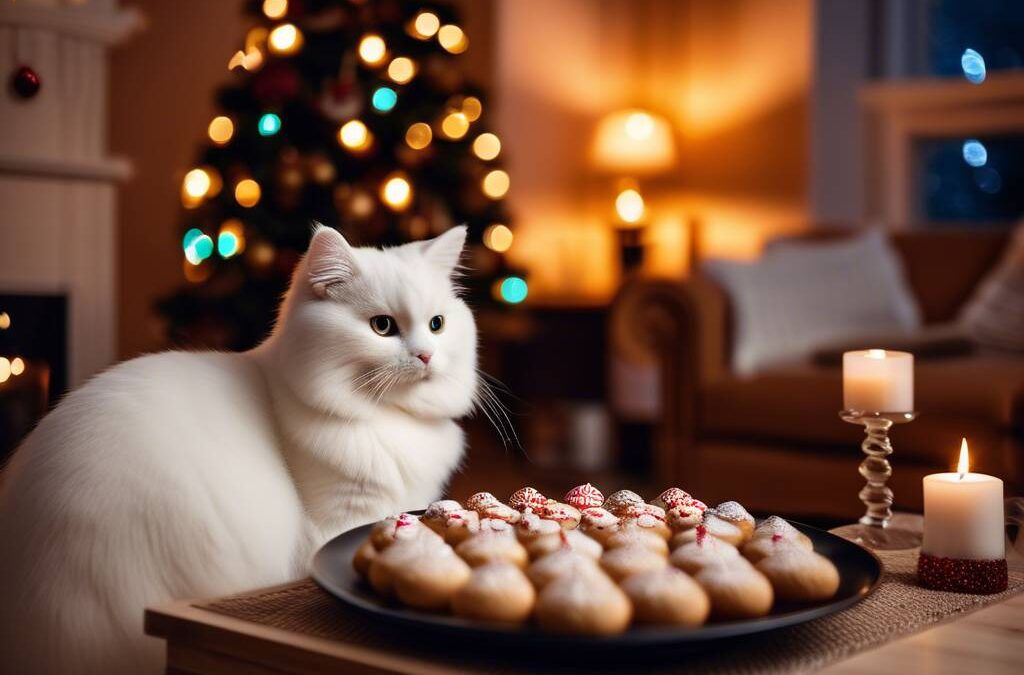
x=436 y=324
x=382 y=324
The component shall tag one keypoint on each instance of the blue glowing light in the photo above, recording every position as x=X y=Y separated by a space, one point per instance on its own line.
x=269 y=124
x=227 y=244
x=988 y=180
x=190 y=238
x=384 y=99
x=514 y=290
x=975 y=153
x=973 y=66
x=198 y=246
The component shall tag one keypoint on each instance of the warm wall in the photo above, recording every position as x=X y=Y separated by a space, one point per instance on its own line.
x=733 y=75
x=161 y=99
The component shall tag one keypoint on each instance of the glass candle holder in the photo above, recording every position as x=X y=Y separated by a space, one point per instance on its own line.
x=873 y=529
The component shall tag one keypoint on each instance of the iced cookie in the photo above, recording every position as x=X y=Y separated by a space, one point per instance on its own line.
x=667 y=596
x=618 y=501
x=480 y=501
x=489 y=547
x=734 y=513
x=554 y=565
x=599 y=523
x=399 y=554
x=714 y=526
x=563 y=514
x=527 y=498
x=626 y=561
x=583 y=604
x=531 y=527
x=500 y=511
x=637 y=510
x=436 y=515
x=430 y=580
x=800 y=575
x=393 y=528
x=736 y=590
x=363 y=557
x=496 y=591
x=571 y=539
x=649 y=522
x=497 y=526
x=460 y=526
x=684 y=517
x=705 y=550
x=772 y=534
x=760 y=548
x=635 y=536
x=671 y=497
x=584 y=496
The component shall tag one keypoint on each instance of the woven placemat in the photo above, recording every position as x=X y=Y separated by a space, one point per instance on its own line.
x=896 y=609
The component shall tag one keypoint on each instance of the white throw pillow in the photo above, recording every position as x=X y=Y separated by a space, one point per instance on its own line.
x=994 y=315
x=801 y=295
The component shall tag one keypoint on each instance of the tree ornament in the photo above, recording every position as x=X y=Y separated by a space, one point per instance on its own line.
x=25 y=82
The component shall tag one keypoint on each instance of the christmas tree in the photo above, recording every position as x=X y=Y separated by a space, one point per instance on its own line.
x=354 y=114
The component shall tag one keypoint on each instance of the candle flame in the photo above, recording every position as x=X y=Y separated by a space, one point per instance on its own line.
x=964 y=465
x=876 y=353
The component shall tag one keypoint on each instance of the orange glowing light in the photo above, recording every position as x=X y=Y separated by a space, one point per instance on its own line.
x=964 y=465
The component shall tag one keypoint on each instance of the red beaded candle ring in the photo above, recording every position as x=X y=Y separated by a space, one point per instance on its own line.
x=981 y=577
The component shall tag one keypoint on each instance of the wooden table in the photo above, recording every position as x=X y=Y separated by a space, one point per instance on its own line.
x=201 y=642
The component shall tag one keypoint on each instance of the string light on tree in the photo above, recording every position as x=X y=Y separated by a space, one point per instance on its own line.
x=486 y=146
x=498 y=238
x=17 y=366
x=221 y=129
x=512 y=290
x=5 y=369
x=452 y=38
x=472 y=108
x=495 y=184
x=247 y=193
x=402 y=69
x=275 y=9
x=418 y=135
x=372 y=49
x=285 y=39
x=197 y=245
x=384 y=99
x=396 y=192
x=425 y=25
x=455 y=125
x=231 y=238
x=269 y=124
x=5 y=320
x=355 y=136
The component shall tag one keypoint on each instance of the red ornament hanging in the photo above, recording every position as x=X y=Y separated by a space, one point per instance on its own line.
x=25 y=82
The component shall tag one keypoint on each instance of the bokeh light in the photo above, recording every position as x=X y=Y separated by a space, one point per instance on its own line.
x=269 y=124
x=498 y=238
x=629 y=204
x=425 y=25
x=455 y=125
x=402 y=69
x=975 y=153
x=384 y=99
x=495 y=184
x=418 y=136
x=988 y=180
x=372 y=49
x=973 y=66
x=355 y=136
x=197 y=183
x=247 y=193
x=639 y=126
x=5 y=320
x=17 y=366
x=472 y=108
x=396 y=192
x=285 y=39
x=486 y=146
x=5 y=369
x=513 y=290
x=197 y=245
x=275 y=9
x=231 y=238
x=221 y=129
x=452 y=38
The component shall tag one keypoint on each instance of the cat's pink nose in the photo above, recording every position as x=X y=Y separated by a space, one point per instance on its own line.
x=424 y=357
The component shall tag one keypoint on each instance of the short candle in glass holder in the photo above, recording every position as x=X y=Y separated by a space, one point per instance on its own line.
x=877 y=380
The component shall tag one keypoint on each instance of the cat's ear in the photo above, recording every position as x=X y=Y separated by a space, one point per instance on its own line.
x=445 y=250
x=330 y=260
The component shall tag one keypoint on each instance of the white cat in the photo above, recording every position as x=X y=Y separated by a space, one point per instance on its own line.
x=184 y=475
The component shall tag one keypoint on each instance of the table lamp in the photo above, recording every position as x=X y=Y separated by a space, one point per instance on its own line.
x=630 y=144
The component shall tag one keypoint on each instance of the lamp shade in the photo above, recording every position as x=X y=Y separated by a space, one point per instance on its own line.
x=633 y=142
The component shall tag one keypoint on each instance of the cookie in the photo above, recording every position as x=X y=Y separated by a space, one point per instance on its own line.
x=583 y=604
x=736 y=590
x=571 y=539
x=500 y=511
x=554 y=565
x=392 y=528
x=531 y=526
x=772 y=534
x=399 y=554
x=684 y=517
x=626 y=561
x=497 y=591
x=460 y=526
x=712 y=525
x=364 y=555
x=618 y=501
x=437 y=513
x=671 y=497
x=705 y=550
x=636 y=536
x=760 y=548
x=527 y=498
x=599 y=523
x=497 y=526
x=480 y=501
x=734 y=513
x=667 y=596
x=430 y=580
x=565 y=515
x=584 y=496
x=488 y=547
x=799 y=575
x=649 y=522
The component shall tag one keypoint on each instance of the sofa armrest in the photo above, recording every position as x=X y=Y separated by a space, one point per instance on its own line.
x=680 y=329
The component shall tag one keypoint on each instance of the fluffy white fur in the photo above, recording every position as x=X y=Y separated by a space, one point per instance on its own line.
x=200 y=474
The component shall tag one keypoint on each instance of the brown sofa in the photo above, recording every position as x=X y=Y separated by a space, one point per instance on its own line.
x=774 y=441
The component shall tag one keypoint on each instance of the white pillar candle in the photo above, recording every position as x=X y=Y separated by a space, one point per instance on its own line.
x=963 y=514
x=876 y=380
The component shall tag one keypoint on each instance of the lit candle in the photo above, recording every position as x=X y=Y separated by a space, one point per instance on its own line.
x=876 y=380
x=963 y=514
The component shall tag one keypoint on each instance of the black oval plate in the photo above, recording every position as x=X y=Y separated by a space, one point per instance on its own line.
x=859 y=573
